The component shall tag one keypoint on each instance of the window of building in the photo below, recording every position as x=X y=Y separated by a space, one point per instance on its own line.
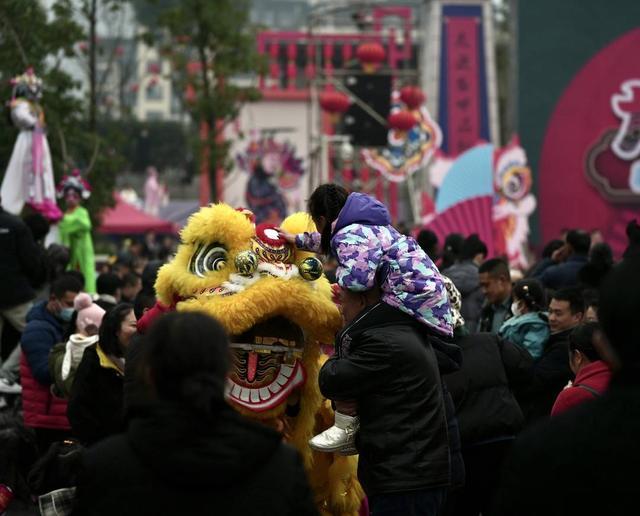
x=154 y=115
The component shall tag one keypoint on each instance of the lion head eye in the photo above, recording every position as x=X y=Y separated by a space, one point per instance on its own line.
x=208 y=258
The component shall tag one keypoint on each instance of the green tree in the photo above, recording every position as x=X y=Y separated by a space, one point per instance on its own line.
x=211 y=45
x=31 y=37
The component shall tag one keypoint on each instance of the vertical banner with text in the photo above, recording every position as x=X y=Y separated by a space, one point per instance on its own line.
x=463 y=112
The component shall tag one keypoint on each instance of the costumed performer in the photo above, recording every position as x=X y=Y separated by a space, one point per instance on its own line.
x=75 y=228
x=29 y=176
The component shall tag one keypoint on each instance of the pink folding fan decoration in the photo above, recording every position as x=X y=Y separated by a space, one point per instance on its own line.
x=467 y=217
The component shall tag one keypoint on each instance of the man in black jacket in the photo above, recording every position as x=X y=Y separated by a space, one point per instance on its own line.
x=21 y=265
x=551 y=371
x=383 y=364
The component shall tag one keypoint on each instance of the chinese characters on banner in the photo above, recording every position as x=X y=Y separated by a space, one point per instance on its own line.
x=463 y=129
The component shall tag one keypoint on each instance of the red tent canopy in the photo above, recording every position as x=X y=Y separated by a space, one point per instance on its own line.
x=125 y=219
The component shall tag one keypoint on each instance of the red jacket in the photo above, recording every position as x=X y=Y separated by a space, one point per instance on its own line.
x=41 y=409
x=596 y=376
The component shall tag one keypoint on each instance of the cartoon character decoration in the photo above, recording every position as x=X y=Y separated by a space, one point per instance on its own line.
x=275 y=172
x=407 y=150
x=486 y=191
x=75 y=227
x=29 y=175
x=514 y=203
x=277 y=309
x=613 y=164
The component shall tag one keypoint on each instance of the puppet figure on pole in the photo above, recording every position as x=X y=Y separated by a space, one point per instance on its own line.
x=29 y=176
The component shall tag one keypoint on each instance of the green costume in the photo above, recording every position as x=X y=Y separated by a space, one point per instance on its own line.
x=75 y=233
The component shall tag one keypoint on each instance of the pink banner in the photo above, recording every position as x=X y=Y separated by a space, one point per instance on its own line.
x=462 y=84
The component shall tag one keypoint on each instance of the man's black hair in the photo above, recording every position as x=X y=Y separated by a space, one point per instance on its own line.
x=131 y=279
x=580 y=241
x=108 y=283
x=428 y=241
x=573 y=296
x=473 y=246
x=496 y=267
x=65 y=283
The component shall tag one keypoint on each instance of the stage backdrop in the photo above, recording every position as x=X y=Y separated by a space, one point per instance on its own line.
x=579 y=113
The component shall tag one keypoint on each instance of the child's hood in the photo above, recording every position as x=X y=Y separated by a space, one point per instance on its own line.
x=362 y=209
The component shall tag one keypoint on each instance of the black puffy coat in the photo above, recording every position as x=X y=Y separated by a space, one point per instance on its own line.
x=95 y=408
x=172 y=461
x=482 y=389
x=581 y=462
x=384 y=364
x=21 y=261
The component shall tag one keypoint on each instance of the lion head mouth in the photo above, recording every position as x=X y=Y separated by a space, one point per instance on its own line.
x=266 y=364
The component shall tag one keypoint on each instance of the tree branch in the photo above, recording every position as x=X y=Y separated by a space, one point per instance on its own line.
x=16 y=40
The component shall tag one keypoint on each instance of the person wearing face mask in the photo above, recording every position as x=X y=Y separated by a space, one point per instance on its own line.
x=96 y=403
x=46 y=323
x=529 y=326
x=82 y=333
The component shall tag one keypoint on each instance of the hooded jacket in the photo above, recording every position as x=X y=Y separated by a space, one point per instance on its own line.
x=371 y=252
x=384 y=364
x=466 y=278
x=173 y=461
x=591 y=382
x=530 y=331
x=40 y=407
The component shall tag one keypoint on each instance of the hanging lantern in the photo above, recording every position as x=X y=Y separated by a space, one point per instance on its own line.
x=371 y=55
x=334 y=103
x=402 y=121
x=412 y=96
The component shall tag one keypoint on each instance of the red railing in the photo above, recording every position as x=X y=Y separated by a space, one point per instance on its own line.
x=296 y=58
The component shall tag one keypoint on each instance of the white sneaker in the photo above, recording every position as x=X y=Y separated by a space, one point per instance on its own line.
x=339 y=438
x=7 y=387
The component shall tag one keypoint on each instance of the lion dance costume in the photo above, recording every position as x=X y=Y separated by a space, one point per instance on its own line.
x=276 y=305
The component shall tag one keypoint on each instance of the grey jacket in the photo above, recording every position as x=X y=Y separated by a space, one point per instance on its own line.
x=465 y=277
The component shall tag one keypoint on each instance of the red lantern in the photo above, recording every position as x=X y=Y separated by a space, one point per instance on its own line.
x=412 y=96
x=402 y=121
x=334 y=103
x=371 y=55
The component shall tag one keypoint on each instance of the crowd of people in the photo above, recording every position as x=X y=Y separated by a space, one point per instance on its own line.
x=465 y=387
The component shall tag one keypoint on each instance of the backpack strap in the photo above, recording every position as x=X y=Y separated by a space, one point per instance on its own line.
x=594 y=392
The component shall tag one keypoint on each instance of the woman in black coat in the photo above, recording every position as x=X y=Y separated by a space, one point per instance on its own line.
x=189 y=452
x=95 y=408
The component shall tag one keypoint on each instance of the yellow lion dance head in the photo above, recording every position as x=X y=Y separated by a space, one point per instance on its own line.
x=255 y=286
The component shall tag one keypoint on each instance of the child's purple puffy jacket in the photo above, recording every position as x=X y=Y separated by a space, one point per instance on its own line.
x=367 y=248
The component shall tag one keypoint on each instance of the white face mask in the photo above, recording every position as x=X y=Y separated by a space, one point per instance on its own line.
x=515 y=308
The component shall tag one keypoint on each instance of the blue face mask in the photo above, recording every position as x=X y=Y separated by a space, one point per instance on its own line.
x=65 y=314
